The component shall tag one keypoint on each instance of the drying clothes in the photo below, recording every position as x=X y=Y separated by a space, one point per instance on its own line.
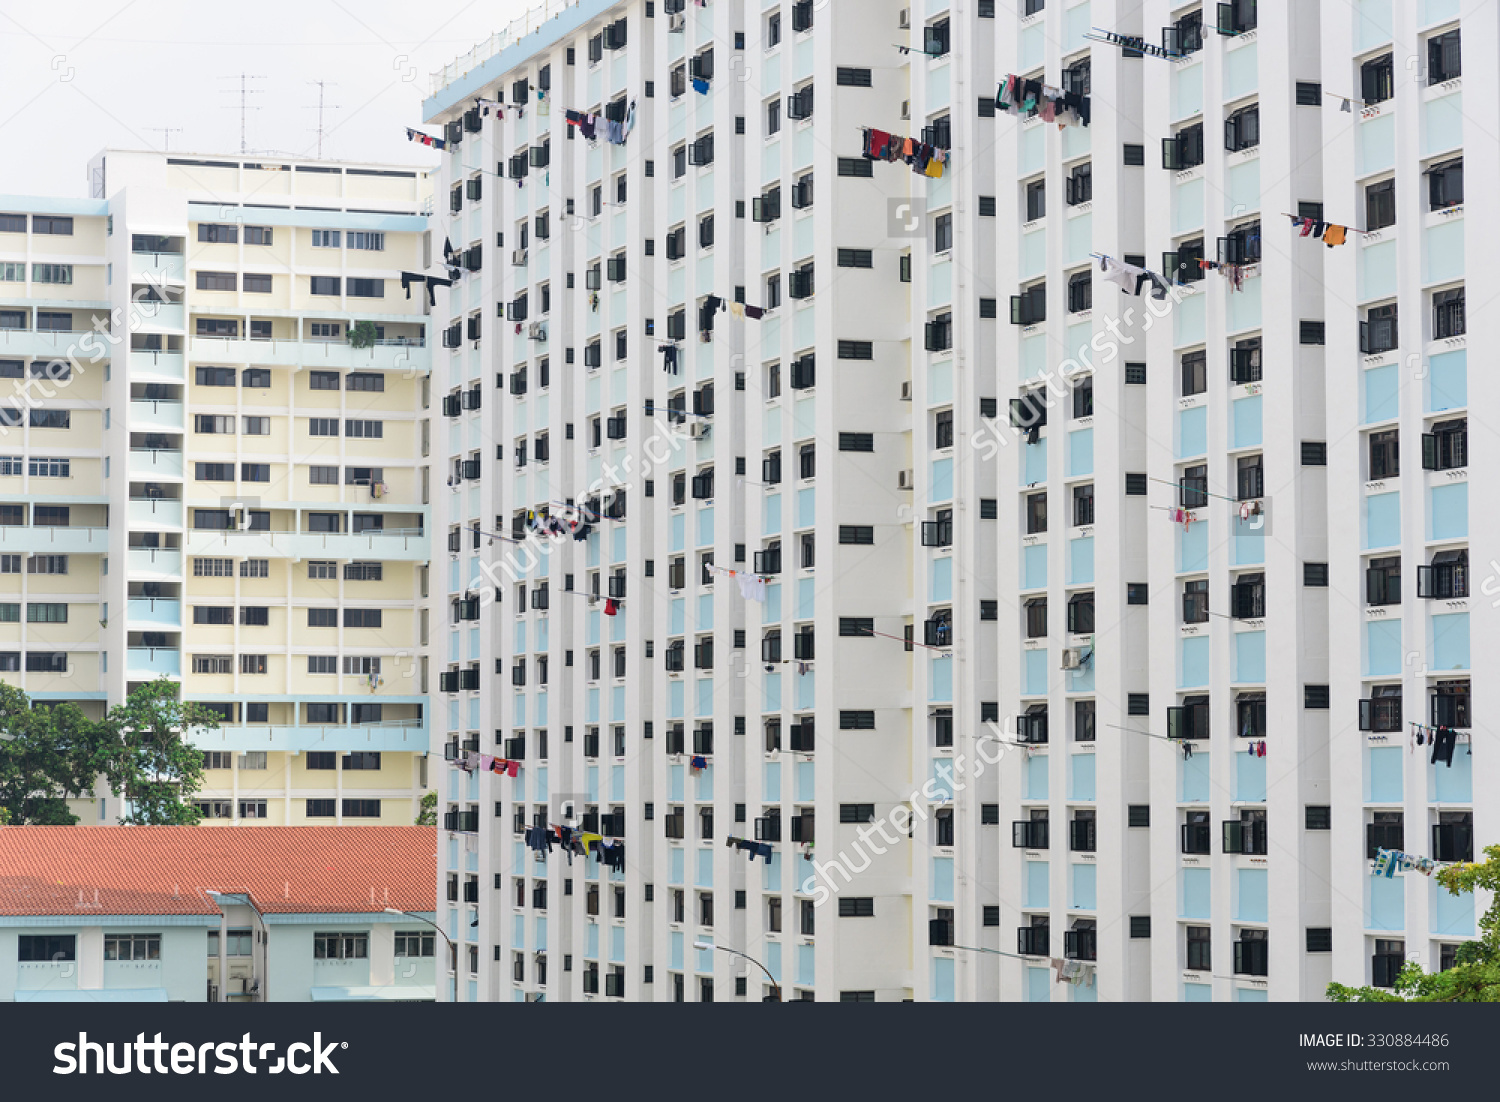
x=505 y=767
x=1122 y=275
x=1443 y=741
x=754 y=312
x=425 y=139
x=1334 y=235
x=700 y=86
x=752 y=588
x=612 y=856
x=737 y=309
x=409 y=278
x=610 y=607
x=539 y=839
x=698 y=761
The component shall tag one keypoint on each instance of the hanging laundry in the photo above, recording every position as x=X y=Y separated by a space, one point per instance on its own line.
x=425 y=139
x=1334 y=235
x=610 y=607
x=752 y=588
x=700 y=86
x=1030 y=97
x=697 y=762
x=1443 y=742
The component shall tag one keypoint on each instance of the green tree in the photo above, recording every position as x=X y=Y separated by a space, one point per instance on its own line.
x=427 y=812
x=152 y=766
x=1475 y=975
x=362 y=334
x=47 y=754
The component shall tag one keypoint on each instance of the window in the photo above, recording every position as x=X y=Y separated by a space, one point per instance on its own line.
x=359 y=429
x=1184 y=149
x=322 y=426
x=53 y=273
x=856 y=907
x=1448 y=314
x=324 y=239
x=1379 y=332
x=362 y=617
x=323 y=618
x=856 y=721
x=46 y=947
x=856 y=258
x=46 y=613
x=361 y=809
x=856 y=534
x=341 y=946
x=1445 y=184
x=1446 y=447
x=50 y=419
x=1385 y=455
x=50 y=468
x=1311 y=332
x=1380 y=205
x=324 y=285
x=1377 y=79
x=858 y=441
x=1079 y=186
x=47 y=564
x=1080 y=292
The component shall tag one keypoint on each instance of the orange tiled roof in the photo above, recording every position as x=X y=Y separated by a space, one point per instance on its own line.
x=56 y=870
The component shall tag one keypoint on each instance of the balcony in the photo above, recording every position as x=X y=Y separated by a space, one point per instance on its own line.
x=45 y=343
x=160 y=317
x=156 y=414
x=147 y=562
x=153 y=463
x=158 y=268
x=157 y=611
x=150 y=663
x=392 y=354
x=154 y=512
x=392 y=736
x=53 y=541
x=388 y=544
x=149 y=366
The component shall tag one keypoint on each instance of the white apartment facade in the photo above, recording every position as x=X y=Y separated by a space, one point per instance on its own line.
x=851 y=447
x=239 y=499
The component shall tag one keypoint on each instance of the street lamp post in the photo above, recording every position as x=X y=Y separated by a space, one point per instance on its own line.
x=776 y=987
x=419 y=918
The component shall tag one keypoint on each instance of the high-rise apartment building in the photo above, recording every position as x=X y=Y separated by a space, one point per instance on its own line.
x=1084 y=634
x=214 y=468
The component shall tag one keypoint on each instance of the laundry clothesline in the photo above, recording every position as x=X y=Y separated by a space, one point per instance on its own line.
x=925 y=158
x=1346 y=101
x=1443 y=739
x=1032 y=97
x=409 y=278
x=488 y=763
x=575 y=842
x=425 y=139
x=903 y=639
x=1388 y=862
x=1205 y=493
x=756 y=849
x=752 y=586
x=1132 y=42
x=613 y=131
x=1130 y=278
x=1234 y=274
x=1330 y=233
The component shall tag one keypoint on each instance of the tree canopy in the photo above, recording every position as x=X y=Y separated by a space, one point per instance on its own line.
x=52 y=752
x=1475 y=975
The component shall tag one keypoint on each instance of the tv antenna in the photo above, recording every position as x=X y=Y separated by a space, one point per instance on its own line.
x=320 y=108
x=166 y=133
x=245 y=92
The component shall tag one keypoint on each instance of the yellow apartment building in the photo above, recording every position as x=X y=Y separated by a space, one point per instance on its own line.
x=213 y=468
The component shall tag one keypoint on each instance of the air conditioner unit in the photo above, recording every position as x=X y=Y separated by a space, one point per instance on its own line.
x=1072 y=658
x=537 y=331
x=699 y=429
x=677 y=24
x=906 y=109
x=906 y=480
x=518 y=258
x=905 y=21
x=906 y=391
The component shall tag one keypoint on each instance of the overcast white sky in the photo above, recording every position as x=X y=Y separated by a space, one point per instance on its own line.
x=77 y=76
